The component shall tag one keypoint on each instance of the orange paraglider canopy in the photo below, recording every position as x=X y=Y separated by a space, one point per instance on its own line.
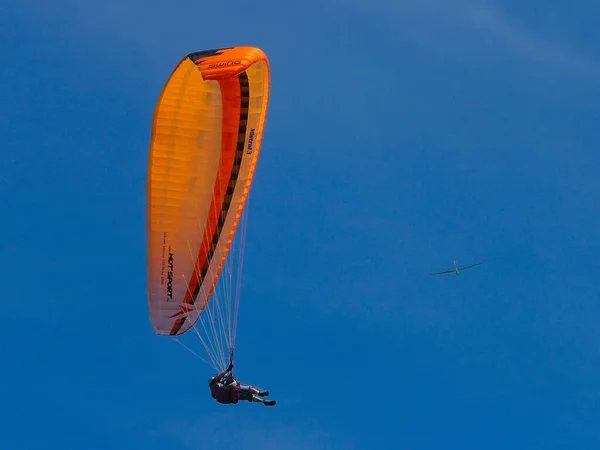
x=206 y=138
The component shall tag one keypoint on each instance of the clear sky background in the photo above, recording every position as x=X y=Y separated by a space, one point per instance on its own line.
x=400 y=136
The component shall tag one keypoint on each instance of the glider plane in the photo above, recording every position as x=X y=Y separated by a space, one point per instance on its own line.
x=456 y=269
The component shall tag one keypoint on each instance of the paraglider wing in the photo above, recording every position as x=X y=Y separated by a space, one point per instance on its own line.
x=206 y=137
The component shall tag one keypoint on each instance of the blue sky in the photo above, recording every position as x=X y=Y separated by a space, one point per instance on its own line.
x=400 y=136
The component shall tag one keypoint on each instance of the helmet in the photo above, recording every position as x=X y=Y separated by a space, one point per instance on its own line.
x=211 y=380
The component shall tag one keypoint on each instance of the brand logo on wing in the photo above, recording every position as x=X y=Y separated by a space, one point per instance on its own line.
x=224 y=64
x=251 y=141
x=170 y=263
x=184 y=311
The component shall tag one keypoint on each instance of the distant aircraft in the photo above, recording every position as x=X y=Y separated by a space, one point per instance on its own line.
x=456 y=270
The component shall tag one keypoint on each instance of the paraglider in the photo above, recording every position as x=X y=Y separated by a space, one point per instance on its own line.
x=224 y=388
x=206 y=137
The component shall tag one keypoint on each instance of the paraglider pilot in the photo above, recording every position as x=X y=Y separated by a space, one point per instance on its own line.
x=226 y=389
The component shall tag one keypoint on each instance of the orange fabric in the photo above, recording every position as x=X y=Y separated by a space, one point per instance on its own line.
x=209 y=118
